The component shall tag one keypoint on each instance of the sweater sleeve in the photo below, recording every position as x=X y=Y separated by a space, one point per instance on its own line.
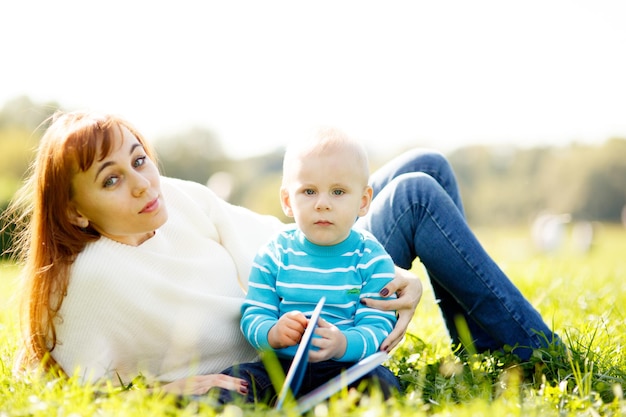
x=260 y=310
x=371 y=326
x=241 y=231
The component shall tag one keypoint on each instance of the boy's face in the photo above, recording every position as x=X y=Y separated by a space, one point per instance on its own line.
x=325 y=194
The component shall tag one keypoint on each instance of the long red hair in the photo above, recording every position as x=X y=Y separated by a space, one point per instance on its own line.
x=46 y=242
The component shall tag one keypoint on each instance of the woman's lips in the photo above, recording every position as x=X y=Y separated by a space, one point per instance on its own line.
x=151 y=206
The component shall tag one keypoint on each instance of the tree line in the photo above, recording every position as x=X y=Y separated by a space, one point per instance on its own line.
x=499 y=185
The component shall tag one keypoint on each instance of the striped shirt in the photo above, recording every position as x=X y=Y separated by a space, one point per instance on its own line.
x=290 y=273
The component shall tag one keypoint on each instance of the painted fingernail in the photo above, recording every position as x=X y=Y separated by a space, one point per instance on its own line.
x=384 y=292
x=362 y=302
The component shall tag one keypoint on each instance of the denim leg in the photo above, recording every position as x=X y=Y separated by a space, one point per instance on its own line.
x=436 y=166
x=386 y=379
x=259 y=384
x=414 y=216
x=319 y=373
x=427 y=161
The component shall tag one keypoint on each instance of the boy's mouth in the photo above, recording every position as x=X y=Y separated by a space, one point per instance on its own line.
x=323 y=223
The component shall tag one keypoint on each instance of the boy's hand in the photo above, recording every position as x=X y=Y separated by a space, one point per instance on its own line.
x=331 y=343
x=288 y=330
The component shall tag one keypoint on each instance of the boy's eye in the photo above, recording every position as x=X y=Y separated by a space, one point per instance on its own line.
x=338 y=192
x=309 y=191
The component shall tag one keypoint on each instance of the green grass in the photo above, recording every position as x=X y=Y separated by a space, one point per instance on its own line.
x=582 y=295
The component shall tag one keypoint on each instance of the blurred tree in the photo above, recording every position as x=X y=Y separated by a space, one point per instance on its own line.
x=603 y=187
x=509 y=185
x=192 y=155
x=500 y=185
x=17 y=146
x=258 y=183
x=20 y=120
x=23 y=113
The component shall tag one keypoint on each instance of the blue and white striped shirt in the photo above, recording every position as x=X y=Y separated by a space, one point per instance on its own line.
x=290 y=273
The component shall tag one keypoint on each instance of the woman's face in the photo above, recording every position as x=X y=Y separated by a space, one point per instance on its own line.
x=120 y=196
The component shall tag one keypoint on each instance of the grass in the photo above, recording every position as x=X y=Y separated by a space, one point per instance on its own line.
x=582 y=295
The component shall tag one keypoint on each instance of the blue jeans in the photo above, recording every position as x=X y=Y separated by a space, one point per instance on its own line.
x=417 y=212
x=317 y=373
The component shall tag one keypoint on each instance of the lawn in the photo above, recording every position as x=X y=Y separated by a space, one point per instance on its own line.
x=582 y=296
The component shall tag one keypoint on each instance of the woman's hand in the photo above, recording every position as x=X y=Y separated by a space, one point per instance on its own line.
x=331 y=342
x=200 y=384
x=409 y=290
x=288 y=330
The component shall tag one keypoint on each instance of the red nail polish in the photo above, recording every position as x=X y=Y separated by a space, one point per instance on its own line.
x=384 y=292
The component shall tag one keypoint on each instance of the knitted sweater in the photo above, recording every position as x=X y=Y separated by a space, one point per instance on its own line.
x=170 y=307
x=291 y=273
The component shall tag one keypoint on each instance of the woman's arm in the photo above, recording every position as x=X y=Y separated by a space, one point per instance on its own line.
x=409 y=290
x=200 y=384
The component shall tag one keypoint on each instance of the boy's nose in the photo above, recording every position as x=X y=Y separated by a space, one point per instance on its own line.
x=322 y=204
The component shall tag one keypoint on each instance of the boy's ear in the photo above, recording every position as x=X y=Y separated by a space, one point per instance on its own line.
x=76 y=218
x=366 y=200
x=285 y=202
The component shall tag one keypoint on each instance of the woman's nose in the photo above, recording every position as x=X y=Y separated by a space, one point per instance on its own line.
x=140 y=185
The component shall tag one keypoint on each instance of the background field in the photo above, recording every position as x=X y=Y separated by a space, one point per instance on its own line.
x=581 y=294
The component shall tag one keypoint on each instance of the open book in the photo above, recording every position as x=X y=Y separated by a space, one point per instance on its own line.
x=298 y=367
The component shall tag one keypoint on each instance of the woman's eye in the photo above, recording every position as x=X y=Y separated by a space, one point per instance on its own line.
x=140 y=161
x=110 y=181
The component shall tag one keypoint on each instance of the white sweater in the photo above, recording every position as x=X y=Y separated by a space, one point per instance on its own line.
x=169 y=308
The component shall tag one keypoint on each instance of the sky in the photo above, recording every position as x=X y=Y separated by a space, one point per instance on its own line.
x=396 y=74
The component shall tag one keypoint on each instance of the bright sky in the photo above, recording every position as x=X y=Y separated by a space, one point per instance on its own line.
x=394 y=73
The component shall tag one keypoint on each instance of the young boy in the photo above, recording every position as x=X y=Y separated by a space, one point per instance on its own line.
x=325 y=189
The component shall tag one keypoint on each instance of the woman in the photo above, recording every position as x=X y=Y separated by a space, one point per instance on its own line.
x=129 y=273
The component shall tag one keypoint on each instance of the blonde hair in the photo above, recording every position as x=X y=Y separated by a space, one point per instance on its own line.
x=46 y=242
x=324 y=141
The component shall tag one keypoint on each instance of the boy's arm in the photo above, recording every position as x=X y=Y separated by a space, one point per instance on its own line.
x=260 y=308
x=371 y=326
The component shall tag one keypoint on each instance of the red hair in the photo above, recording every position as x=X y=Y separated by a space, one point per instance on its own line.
x=48 y=242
